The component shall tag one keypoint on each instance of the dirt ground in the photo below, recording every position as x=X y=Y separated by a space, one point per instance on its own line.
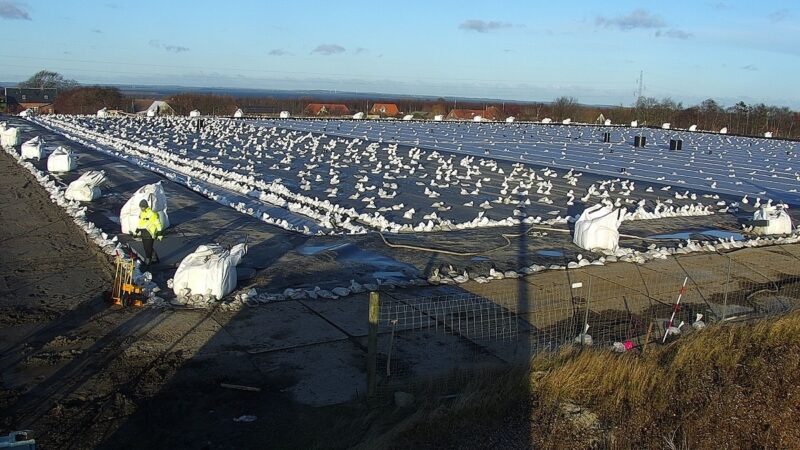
x=81 y=374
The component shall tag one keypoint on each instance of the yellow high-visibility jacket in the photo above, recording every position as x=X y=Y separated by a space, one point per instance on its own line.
x=149 y=220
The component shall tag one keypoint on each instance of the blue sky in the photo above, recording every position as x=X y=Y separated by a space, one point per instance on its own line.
x=521 y=50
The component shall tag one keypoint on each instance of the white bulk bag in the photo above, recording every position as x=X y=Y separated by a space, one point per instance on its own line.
x=408 y=117
x=477 y=118
x=358 y=116
x=723 y=130
x=238 y=113
x=566 y=121
x=510 y=119
x=61 y=160
x=438 y=117
x=9 y=137
x=607 y=122
x=103 y=113
x=194 y=113
x=778 y=218
x=547 y=120
x=666 y=126
x=635 y=123
x=156 y=200
x=598 y=228
x=693 y=128
x=3 y=126
x=210 y=270
x=27 y=113
x=285 y=115
x=33 y=149
x=86 y=188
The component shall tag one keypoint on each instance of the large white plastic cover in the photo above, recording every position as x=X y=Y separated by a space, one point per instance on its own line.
x=598 y=228
x=33 y=149
x=61 y=160
x=9 y=137
x=156 y=199
x=194 y=113
x=87 y=187
x=779 y=221
x=209 y=271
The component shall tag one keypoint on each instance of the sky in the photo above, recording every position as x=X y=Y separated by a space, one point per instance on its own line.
x=531 y=50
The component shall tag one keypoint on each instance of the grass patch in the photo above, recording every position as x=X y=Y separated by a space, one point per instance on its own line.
x=729 y=386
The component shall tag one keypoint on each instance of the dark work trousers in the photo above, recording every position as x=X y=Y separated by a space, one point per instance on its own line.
x=147 y=242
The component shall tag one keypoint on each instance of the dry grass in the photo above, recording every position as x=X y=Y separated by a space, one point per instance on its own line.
x=731 y=386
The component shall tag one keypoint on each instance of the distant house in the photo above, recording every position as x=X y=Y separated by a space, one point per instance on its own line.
x=39 y=100
x=384 y=110
x=326 y=109
x=490 y=113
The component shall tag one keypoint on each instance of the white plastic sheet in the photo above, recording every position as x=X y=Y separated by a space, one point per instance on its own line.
x=778 y=218
x=156 y=200
x=9 y=137
x=61 y=160
x=33 y=149
x=598 y=228
x=208 y=271
x=87 y=187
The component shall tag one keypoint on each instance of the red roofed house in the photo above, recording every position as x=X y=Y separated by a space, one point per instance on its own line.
x=384 y=110
x=326 y=109
x=490 y=113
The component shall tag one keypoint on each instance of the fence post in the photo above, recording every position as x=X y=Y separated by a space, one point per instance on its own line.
x=725 y=298
x=372 y=346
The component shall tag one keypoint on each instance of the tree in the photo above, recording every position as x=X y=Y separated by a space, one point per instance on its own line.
x=45 y=79
x=87 y=100
x=564 y=107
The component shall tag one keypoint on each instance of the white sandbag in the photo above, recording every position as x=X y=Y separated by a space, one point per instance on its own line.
x=285 y=114
x=61 y=160
x=209 y=271
x=778 y=218
x=238 y=113
x=103 y=113
x=598 y=228
x=156 y=200
x=87 y=187
x=33 y=149
x=9 y=137
x=194 y=113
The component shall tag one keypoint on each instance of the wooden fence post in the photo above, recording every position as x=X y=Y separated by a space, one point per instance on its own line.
x=372 y=346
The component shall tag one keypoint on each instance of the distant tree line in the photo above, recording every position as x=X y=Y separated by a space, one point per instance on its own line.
x=740 y=118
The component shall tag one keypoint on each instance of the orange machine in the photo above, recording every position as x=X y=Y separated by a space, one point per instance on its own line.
x=124 y=292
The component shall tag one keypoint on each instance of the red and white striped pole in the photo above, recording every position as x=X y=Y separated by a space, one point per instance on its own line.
x=675 y=309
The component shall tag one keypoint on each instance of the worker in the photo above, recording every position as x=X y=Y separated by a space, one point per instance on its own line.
x=149 y=229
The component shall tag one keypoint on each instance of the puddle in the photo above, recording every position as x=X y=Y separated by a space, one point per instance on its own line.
x=386 y=268
x=310 y=250
x=708 y=234
x=550 y=253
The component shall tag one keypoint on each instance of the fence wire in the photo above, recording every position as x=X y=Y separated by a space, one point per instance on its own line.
x=505 y=323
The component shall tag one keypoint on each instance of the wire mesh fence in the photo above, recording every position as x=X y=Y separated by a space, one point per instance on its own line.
x=622 y=306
